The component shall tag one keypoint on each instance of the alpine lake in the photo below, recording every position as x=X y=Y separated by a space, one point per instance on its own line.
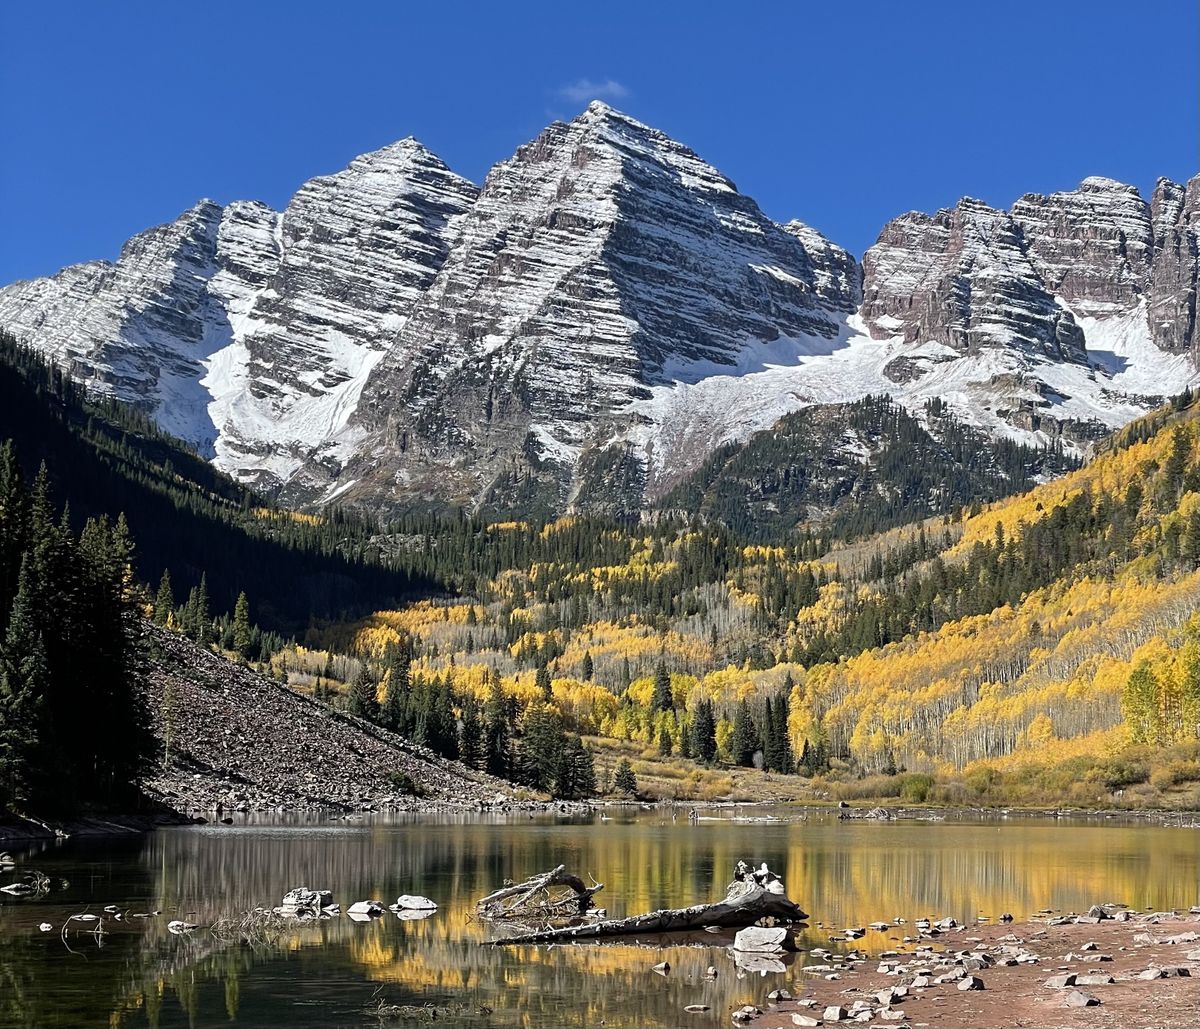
x=390 y=971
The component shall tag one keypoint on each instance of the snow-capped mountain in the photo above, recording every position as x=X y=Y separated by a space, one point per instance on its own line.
x=604 y=311
x=247 y=332
x=603 y=259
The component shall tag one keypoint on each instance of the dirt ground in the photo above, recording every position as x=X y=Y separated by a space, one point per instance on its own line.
x=1017 y=995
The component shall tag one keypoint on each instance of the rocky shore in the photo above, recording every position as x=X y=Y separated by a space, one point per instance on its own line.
x=1106 y=968
x=237 y=741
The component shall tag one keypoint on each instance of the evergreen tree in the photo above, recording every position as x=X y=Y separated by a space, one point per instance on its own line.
x=164 y=602
x=745 y=740
x=362 y=701
x=25 y=746
x=576 y=775
x=666 y=746
x=662 y=699
x=470 y=734
x=242 y=632
x=498 y=730
x=588 y=668
x=541 y=746
x=625 y=781
x=542 y=681
x=784 y=756
x=704 y=732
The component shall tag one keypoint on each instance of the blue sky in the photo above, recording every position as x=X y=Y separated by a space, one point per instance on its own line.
x=118 y=116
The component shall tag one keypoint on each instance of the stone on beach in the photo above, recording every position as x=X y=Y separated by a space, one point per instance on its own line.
x=770 y=940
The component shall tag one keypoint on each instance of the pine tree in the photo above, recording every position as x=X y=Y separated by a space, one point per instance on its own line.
x=576 y=775
x=704 y=732
x=497 y=729
x=785 y=758
x=362 y=701
x=541 y=746
x=666 y=746
x=543 y=683
x=745 y=740
x=164 y=602
x=24 y=682
x=662 y=699
x=470 y=734
x=588 y=668
x=625 y=781
x=242 y=632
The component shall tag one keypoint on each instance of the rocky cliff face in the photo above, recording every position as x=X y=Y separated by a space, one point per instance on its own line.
x=248 y=332
x=602 y=258
x=1175 y=217
x=963 y=278
x=1072 y=305
x=586 y=328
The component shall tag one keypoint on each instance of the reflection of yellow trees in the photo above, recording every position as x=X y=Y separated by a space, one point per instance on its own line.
x=842 y=873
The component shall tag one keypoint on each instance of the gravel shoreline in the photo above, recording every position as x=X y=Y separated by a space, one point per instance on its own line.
x=1063 y=973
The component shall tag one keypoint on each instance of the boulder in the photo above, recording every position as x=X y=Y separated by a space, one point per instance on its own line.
x=834 y=1013
x=1061 y=982
x=413 y=902
x=804 y=1020
x=370 y=908
x=970 y=982
x=697 y=1009
x=1094 y=980
x=764 y=939
x=1079 y=999
x=302 y=898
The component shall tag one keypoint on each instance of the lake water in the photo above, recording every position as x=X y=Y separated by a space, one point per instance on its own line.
x=336 y=972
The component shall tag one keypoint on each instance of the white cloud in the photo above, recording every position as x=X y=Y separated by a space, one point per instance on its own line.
x=585 y=89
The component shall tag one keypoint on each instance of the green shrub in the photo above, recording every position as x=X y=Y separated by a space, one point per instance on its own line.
x=915 y=787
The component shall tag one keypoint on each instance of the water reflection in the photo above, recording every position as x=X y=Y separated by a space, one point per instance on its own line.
x=331 y=973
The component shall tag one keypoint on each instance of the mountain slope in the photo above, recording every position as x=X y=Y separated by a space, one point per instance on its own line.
x=246 y=332
x=602 y=258
x=105 y=458
x=857 y=468
x=604 y=313
x=230 y=735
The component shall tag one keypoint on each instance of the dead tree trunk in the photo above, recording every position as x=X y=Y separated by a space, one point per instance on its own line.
x=553 y=894
x=754 y=896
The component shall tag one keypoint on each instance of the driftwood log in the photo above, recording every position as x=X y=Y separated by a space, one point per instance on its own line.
x=755 y=896
x=553 y=894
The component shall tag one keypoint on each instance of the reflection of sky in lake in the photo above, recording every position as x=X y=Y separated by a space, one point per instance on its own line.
x=332 y=972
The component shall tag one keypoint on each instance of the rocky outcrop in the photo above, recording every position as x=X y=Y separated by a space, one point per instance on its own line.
x=1175 y=216
x=246 y=332
x=236 y=738
x=356 y=251
x=964 y=278
x=1092 y=246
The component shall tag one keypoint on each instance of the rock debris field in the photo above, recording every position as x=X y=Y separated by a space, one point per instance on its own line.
x=238 y=739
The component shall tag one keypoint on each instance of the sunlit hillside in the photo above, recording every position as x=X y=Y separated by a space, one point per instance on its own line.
x=960 y=658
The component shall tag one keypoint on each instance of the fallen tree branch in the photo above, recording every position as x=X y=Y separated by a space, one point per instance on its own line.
x=755 y=896
x=551 y=894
